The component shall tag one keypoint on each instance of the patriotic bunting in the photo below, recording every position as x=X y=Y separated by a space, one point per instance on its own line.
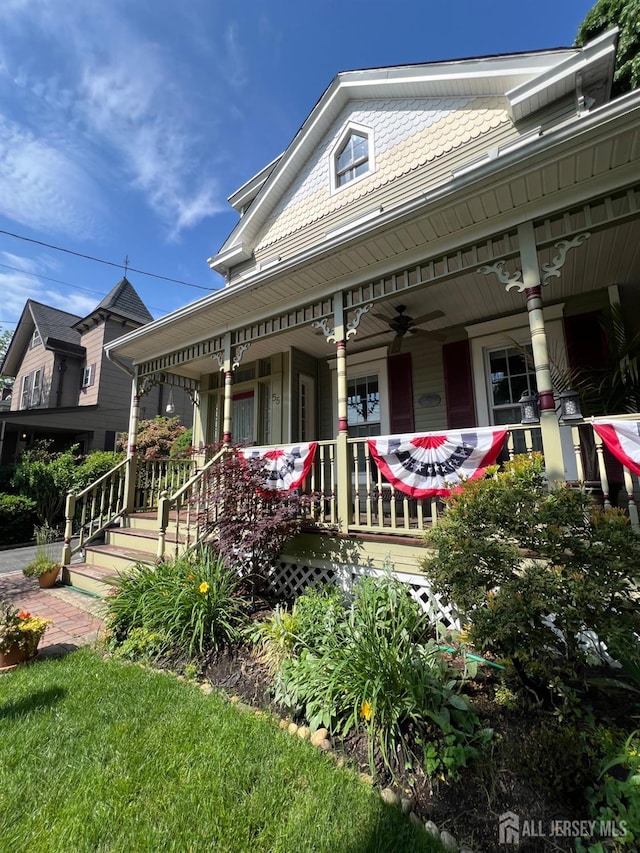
x=431 y=464
x=285 y=467
x=622 y=438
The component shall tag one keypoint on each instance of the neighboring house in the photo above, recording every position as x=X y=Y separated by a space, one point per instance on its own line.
x=65 y=388
x=433 y=238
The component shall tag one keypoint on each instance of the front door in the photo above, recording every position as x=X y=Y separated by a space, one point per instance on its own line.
x=243 y=418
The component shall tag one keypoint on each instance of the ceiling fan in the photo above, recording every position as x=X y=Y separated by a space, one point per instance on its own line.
x=402 y=324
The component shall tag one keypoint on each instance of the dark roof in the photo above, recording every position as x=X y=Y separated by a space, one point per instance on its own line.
x=54 y=323
x=124 y=301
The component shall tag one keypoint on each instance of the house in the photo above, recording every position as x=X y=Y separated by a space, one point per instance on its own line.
x=435 y=246
x=65 y=387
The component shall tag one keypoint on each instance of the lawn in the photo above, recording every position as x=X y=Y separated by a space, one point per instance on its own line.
x=100 y=755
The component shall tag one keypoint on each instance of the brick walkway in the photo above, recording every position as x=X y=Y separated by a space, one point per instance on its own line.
x=77 y=618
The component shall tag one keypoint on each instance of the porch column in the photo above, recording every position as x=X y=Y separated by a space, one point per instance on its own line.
x=549 y=425
x=343 y=466
x=228 y=390
x=132 y=458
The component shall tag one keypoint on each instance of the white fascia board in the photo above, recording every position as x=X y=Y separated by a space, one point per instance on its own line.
x=250 y=189
x=600 y=51
x=229 y=258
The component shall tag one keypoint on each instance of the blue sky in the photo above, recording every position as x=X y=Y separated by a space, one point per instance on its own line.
x=125 y=124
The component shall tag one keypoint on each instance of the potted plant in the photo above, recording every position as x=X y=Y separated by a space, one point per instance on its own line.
x=43 y=568
x=20 y=633
x=44 y=565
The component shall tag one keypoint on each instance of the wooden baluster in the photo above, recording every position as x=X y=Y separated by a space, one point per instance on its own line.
x=602 y=468
x=70 y=509
x=356 y=486
x=510 y=444
x=434 y=511
x=393 y=514
x=405 y=512
x=163 y=520
x=380 y=487
x=369 y=484
x=420 y=514
x=332 y=482
x=631 y=502
x=575 y=440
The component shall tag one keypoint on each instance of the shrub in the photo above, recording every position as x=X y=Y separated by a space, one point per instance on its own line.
x=249 y=525
x=17 y=514
x=371 y=666
x=93 y=466
x=191 y=606
x=181 y=447
x=535 y=573
x=155 y=437
x=46 y=478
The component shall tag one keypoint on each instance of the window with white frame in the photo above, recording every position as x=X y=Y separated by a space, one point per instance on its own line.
x=35 y=388
x=363 y=405
x=511 y=374
x=352 y=157
x=87 y=376
x=36 y=340
x=25 y=392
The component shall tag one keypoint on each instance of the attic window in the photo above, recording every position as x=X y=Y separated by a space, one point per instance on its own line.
x=87 y=376
x=36 y=340
x=352 y=157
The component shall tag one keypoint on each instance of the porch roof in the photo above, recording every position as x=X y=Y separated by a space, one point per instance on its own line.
x=590 y=156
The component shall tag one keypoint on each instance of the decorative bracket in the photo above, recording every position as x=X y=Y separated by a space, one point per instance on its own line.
x=219 y=357
x=146 y=384
x=510 y=280
x=552 y=269
x=323 y=325
x=237 y=358
x=352 y=327
x=194 y=396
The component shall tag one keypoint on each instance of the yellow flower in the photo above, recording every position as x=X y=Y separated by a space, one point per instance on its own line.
x=366 y=711
x=204 y=587
x=191 y=576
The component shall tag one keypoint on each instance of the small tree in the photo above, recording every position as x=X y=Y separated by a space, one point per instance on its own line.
x=155 y=437
x=248 y=524
x=46 y=477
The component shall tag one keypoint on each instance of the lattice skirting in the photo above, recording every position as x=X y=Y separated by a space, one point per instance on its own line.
x=292 y=576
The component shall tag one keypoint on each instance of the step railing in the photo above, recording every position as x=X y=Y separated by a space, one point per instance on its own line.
x=154 y=476
x=88 y=513
x=193 y=512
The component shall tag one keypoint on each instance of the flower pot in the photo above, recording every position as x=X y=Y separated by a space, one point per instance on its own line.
x=48 y=579
x=14 y=655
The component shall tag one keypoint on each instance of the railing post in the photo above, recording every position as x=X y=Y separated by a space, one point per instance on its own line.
x=163 y=522
x=70 y=509
x=130 y=477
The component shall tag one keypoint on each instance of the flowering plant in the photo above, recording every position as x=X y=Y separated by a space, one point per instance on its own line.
x=19 y=628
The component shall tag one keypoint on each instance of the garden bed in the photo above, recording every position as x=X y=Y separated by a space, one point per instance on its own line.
x=521 y=771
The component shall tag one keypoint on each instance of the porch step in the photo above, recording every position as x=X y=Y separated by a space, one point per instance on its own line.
x=139 y=537
x=96 y=580
x=117 y=557
x=149 y=521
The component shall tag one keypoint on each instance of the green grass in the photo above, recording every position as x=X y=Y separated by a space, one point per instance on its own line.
x=99 y=755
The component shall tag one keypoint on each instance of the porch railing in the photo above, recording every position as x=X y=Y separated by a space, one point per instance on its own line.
x=185 y=517
x=89 y=512
x=154 y=476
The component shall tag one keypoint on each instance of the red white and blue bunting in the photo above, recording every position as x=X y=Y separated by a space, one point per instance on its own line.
x=285 y=467
x=431 y=464
x=622 y=438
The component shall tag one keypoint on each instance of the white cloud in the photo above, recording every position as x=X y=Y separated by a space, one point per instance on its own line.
x=41 y=186
x=111 y=102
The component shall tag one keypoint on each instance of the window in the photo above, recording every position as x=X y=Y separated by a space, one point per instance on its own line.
x=36 y=340
x=31 y=389
x=352 y=156
x=511 y=373
x=363 y=406
x=35 y=388
x=25 y=392
x=87 y=376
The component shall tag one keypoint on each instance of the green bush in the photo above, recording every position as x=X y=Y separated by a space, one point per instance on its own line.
x=93 y=466
x=181 y=447
x=190 y=606
x=370 y=666
x=17 y=517
x=534 y=574
x=46 y=478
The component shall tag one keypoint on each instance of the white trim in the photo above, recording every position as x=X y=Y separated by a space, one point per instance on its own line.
x=350 y=128
x=373 y=362
x=503 y=332
x=86 y=376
